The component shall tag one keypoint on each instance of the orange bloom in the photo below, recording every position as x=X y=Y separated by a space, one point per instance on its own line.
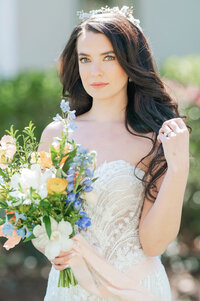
x=11 y=212
x=57 y=148
x=12 y=241
x=45 y=159
x=57 y=185
x=63 y=160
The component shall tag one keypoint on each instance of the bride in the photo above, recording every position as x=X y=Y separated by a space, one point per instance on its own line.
x=142 y=144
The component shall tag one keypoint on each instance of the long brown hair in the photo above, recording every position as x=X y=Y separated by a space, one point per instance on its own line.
x=149 y=105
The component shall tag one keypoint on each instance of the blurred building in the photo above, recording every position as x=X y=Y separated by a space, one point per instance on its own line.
x=33 y=32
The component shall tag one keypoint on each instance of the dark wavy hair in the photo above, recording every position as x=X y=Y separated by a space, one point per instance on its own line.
x=149 y=105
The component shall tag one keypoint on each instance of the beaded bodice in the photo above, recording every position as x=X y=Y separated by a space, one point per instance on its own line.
x=115 y=215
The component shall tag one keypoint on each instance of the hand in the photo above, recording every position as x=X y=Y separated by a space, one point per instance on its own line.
x=176 y=144
x=62 y=261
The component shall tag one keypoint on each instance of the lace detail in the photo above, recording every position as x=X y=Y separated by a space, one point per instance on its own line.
x=114 y=231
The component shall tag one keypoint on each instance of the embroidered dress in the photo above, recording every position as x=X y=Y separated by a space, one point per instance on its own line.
x=114 y=236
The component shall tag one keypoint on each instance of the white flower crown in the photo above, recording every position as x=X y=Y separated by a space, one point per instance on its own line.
x=125 y=11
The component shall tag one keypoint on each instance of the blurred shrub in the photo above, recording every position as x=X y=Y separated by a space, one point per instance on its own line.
x=185 y=69
x=183 y=256
x=33 y=95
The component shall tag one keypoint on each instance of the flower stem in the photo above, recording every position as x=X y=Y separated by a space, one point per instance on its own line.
x=66 y=278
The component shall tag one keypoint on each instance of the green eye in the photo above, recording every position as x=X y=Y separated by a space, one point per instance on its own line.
x=110 y=57
x=83 y=58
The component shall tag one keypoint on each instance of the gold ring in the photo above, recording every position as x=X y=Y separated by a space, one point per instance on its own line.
x=167 y=134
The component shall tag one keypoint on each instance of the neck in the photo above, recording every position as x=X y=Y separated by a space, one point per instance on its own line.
x=108 y=110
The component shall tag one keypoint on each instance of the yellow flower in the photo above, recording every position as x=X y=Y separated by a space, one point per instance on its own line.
x=57 y=185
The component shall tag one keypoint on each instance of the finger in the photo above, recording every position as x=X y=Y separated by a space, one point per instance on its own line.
x=164 y=128
x=174 y=126
x=60 y=261
x=181 y=123
x=64 y=253
x=63 y=259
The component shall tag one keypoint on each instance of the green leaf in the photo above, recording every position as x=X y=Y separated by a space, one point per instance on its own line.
x=3 y=205
x=29 y=238
x=47 y=222
x=1 y=172
x=69 y=160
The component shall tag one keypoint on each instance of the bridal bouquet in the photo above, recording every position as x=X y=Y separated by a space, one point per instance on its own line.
x=43 y=194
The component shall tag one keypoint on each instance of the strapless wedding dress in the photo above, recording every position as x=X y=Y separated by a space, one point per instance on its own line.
x=114 y=235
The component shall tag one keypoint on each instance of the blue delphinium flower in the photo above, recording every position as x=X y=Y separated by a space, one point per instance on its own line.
x=70 y=187
x=7 y=229
x=21 y=232
x=77 y=205
x=57 y=118
x=20 y=216
x=84 y=221
x=82 y=150
x=70 y=178
x=64 y=105
x=87 y=185
x=89 y=172
x=71 y=171
x=77 y=161
x=71 y=197
x=87 y=189
x=71 y=115
x=72 y=126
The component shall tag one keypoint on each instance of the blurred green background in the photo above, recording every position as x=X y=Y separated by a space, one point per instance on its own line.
x=35 y=95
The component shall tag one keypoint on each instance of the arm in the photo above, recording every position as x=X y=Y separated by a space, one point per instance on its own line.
x=54 y=129
x=160 y=222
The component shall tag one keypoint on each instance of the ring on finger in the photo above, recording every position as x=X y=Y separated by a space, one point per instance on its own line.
x=167 y=134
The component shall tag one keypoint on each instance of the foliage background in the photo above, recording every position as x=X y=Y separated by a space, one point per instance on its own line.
x=35 y=95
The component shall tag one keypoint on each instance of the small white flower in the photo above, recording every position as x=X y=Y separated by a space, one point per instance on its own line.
x=59 y=240
x=27 y=202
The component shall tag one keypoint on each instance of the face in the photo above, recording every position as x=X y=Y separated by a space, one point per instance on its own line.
x=101 y=74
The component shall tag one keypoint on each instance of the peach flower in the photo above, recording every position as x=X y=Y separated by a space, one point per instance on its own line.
x=12 y=241
x=7 y=150
x=45 y=159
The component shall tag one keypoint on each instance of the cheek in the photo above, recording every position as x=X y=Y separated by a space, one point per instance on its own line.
x=83 y=71
x=119 y=74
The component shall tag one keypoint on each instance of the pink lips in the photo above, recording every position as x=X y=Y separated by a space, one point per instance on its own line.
x=99 y=84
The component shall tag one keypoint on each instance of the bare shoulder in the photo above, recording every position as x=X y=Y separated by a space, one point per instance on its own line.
x=53 y=129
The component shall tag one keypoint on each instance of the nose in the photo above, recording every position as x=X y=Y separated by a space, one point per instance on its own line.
x=96 y=69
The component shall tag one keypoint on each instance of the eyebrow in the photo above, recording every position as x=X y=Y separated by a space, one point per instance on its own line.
x=81 y=53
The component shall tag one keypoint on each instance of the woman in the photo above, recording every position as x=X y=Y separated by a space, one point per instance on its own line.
x=125 y=114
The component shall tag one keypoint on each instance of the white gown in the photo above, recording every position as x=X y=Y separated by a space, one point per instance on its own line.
x=114 y=232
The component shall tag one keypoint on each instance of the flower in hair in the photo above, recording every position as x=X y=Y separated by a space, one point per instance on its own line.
x=125 y=11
